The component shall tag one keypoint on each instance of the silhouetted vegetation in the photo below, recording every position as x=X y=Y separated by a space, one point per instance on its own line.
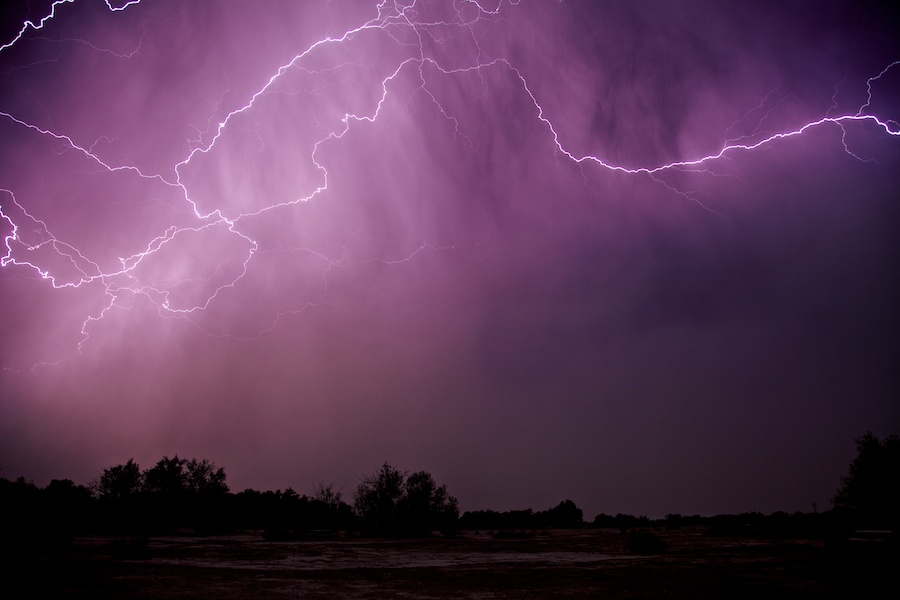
x=644 y=541
x=119 y=482
x=620 y=521
x=48 y=518
x=869 y=495
x=390 y=502
x=565 y=515
x=177 y=494
x=751 y=524
x=286 y=515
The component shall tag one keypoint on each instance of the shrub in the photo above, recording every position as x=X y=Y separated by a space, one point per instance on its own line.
x=644 y=541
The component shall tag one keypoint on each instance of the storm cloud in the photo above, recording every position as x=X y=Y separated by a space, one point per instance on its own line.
x=304 y=238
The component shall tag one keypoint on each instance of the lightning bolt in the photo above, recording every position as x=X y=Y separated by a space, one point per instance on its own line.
x=413 y=29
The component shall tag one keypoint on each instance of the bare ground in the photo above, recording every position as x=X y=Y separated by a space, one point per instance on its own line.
x=586 y=563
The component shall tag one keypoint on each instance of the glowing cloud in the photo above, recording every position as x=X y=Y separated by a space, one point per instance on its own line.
x=547 y=228
x=201 y=189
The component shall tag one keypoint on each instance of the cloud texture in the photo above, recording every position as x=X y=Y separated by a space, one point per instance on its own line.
x=303 y=238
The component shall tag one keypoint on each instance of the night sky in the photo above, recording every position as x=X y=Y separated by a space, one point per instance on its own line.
x=543 y=250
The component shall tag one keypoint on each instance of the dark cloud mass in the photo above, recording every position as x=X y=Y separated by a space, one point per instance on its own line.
x=236 y=231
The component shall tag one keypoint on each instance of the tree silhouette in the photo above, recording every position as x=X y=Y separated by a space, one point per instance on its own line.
x=426 y=506
x=202 y=477
x=870 y=492
x=119 y=482
x=565 y=515
x=327 y=495
x=167 y=477
x=390 y=502
x=377 y=497
x=326 y=509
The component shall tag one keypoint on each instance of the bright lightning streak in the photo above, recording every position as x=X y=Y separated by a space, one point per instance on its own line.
x=34 y=26
x=405 y=24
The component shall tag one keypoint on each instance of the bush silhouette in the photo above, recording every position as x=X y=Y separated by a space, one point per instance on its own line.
x=644 y=541
x=565 y=515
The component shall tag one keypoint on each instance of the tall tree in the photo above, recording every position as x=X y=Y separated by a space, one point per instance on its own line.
x=377 y=496
x=871 y=490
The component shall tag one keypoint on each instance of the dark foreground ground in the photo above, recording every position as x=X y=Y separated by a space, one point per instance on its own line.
x=588 y=563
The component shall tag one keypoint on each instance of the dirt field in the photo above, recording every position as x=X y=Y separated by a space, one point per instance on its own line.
x=586 y=563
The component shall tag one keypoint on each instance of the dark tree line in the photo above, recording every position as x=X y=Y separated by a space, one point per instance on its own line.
x=173 y=493
x=286 y=515
x=565 y=515
x=170 y=478
x=181 y=494
x=58 y=512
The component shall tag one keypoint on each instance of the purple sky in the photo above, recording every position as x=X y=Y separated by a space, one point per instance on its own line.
x=303 y=238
